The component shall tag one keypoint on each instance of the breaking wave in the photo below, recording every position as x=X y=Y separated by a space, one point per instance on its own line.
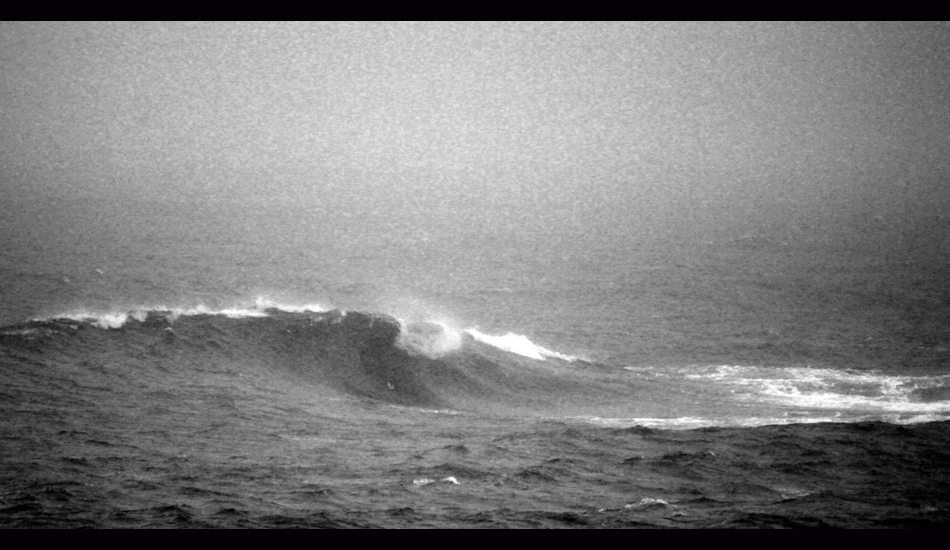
x=117 y=319
x=818 y=388
x=516 y=343
x=433 y=365
x=423 y=364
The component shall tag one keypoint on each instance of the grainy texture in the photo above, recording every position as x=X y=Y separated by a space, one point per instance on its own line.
x=460 y=275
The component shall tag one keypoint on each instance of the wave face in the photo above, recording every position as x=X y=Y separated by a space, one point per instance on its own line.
x=363 y=355
x=432 y=365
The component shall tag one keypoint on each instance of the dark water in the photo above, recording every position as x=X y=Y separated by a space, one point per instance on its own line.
x=175 y=363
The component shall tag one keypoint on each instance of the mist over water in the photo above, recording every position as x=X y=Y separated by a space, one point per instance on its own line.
x=458 y=274
x=505 y=128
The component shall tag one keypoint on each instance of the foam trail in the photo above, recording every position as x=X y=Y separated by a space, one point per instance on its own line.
x=692 y=423
x=816 y=388
x=518 y=344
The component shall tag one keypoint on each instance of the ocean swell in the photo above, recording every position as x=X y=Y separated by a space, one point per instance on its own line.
x=364 y=355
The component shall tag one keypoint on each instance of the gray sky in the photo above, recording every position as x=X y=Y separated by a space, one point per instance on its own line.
x=575 y=119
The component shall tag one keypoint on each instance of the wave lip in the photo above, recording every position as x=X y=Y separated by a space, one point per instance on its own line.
x=435 y=339
x=518 y=344
x=430 y=338
x=434 y=366
x=261 y=307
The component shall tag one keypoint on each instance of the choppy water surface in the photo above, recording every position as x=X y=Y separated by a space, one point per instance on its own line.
x=186 y=365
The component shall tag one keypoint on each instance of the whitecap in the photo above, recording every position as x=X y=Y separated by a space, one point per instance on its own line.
x=518 y=344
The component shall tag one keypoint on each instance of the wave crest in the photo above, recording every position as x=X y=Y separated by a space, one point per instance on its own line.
x=261 y=307
x=519 y=344
x=429 y=338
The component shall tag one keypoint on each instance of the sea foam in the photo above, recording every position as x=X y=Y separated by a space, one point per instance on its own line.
x=429 y=338
x=819 y=388
x=260 y=307
x=518 y=344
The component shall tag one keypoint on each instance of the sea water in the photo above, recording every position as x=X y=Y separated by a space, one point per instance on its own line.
x=205 y=361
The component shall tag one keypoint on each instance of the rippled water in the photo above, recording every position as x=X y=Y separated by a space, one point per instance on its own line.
x=175 y=364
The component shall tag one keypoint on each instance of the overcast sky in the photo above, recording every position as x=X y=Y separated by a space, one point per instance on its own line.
x=573 y=115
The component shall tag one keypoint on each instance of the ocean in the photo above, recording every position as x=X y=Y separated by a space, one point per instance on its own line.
x=223 y=361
